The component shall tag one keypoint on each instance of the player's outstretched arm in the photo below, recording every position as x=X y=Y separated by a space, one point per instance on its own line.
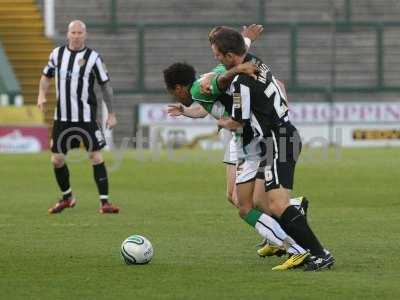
x=194 y=111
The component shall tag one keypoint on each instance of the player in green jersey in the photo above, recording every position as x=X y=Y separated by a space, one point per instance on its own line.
x=261 y=113
x=213 y=103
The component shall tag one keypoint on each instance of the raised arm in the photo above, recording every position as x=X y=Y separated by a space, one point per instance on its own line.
x=251 y=33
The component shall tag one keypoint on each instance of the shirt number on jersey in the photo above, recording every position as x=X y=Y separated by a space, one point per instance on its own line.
x=279 y=102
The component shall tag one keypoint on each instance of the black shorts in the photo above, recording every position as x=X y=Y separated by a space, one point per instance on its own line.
x=68 y=135
x=280 y=154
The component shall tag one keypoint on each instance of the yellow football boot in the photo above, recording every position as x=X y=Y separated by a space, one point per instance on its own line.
x=270 y=250
x=292 y=262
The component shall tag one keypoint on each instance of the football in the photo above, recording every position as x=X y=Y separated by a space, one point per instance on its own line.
x=136 y=250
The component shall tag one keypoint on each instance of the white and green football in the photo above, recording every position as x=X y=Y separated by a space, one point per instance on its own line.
x=136 y=250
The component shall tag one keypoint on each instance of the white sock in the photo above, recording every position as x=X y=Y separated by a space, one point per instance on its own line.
x=296 y=201
x=270 y=230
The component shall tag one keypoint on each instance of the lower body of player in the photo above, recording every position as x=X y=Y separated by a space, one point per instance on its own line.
x=68 y=135
x=243 y=175
x=276 y=173
x=260 y=218
x=230 y=160
x=267 y=248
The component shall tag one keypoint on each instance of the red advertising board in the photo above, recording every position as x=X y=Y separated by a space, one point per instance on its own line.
x=23 y=139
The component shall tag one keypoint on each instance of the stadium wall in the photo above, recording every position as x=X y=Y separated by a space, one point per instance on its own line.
x=334 y=61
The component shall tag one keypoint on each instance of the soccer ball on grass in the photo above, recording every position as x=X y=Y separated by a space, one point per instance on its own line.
x=136 y=250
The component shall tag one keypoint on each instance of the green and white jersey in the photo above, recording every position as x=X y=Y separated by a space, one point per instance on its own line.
x=210 y=102
x=218 y=104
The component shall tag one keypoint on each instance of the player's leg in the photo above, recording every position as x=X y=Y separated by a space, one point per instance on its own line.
x=94 y=141
x=269 y=229
x=101 y=179
x=244 y=192
x=100 y=174
x=264 y=224
x=59 y=146
x=295 y=224
x=279 y=177
x=231 y=185
x=246 y=171
x=268 y=224
x=300 y=203
x=266 y=248
x=230 y=160
x=61 y=173
x=261 y=200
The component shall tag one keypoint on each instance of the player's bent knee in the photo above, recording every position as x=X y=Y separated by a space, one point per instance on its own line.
x=258 y=202
x=57 y=160
x=278 y=201
x=96 y=158
x=243 y=213
x=277 y=206
x=244 y=210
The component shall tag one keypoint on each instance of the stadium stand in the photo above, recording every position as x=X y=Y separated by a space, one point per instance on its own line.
x=10 y=91
x=355 y=59
x=370 y=10
x=21 y=33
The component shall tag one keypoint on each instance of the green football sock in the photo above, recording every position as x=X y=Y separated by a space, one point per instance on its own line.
x=252 y=216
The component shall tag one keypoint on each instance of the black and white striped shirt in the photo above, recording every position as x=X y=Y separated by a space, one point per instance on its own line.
x=75 y=73
x=258 y=103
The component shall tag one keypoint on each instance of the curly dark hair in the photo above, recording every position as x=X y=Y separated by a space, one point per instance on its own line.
x=179 y=73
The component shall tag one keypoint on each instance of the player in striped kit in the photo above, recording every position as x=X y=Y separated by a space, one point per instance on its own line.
x=76 y=68
x=260 y=111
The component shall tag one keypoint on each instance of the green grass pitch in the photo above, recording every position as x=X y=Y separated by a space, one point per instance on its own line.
x=202 y=249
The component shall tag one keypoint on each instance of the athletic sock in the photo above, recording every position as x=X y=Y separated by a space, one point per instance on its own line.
x=296 y=202
x=100 y=176
x=270 y=230
x=294 y=223
x=67 y=194
x=62 y=177
x=103 y=199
